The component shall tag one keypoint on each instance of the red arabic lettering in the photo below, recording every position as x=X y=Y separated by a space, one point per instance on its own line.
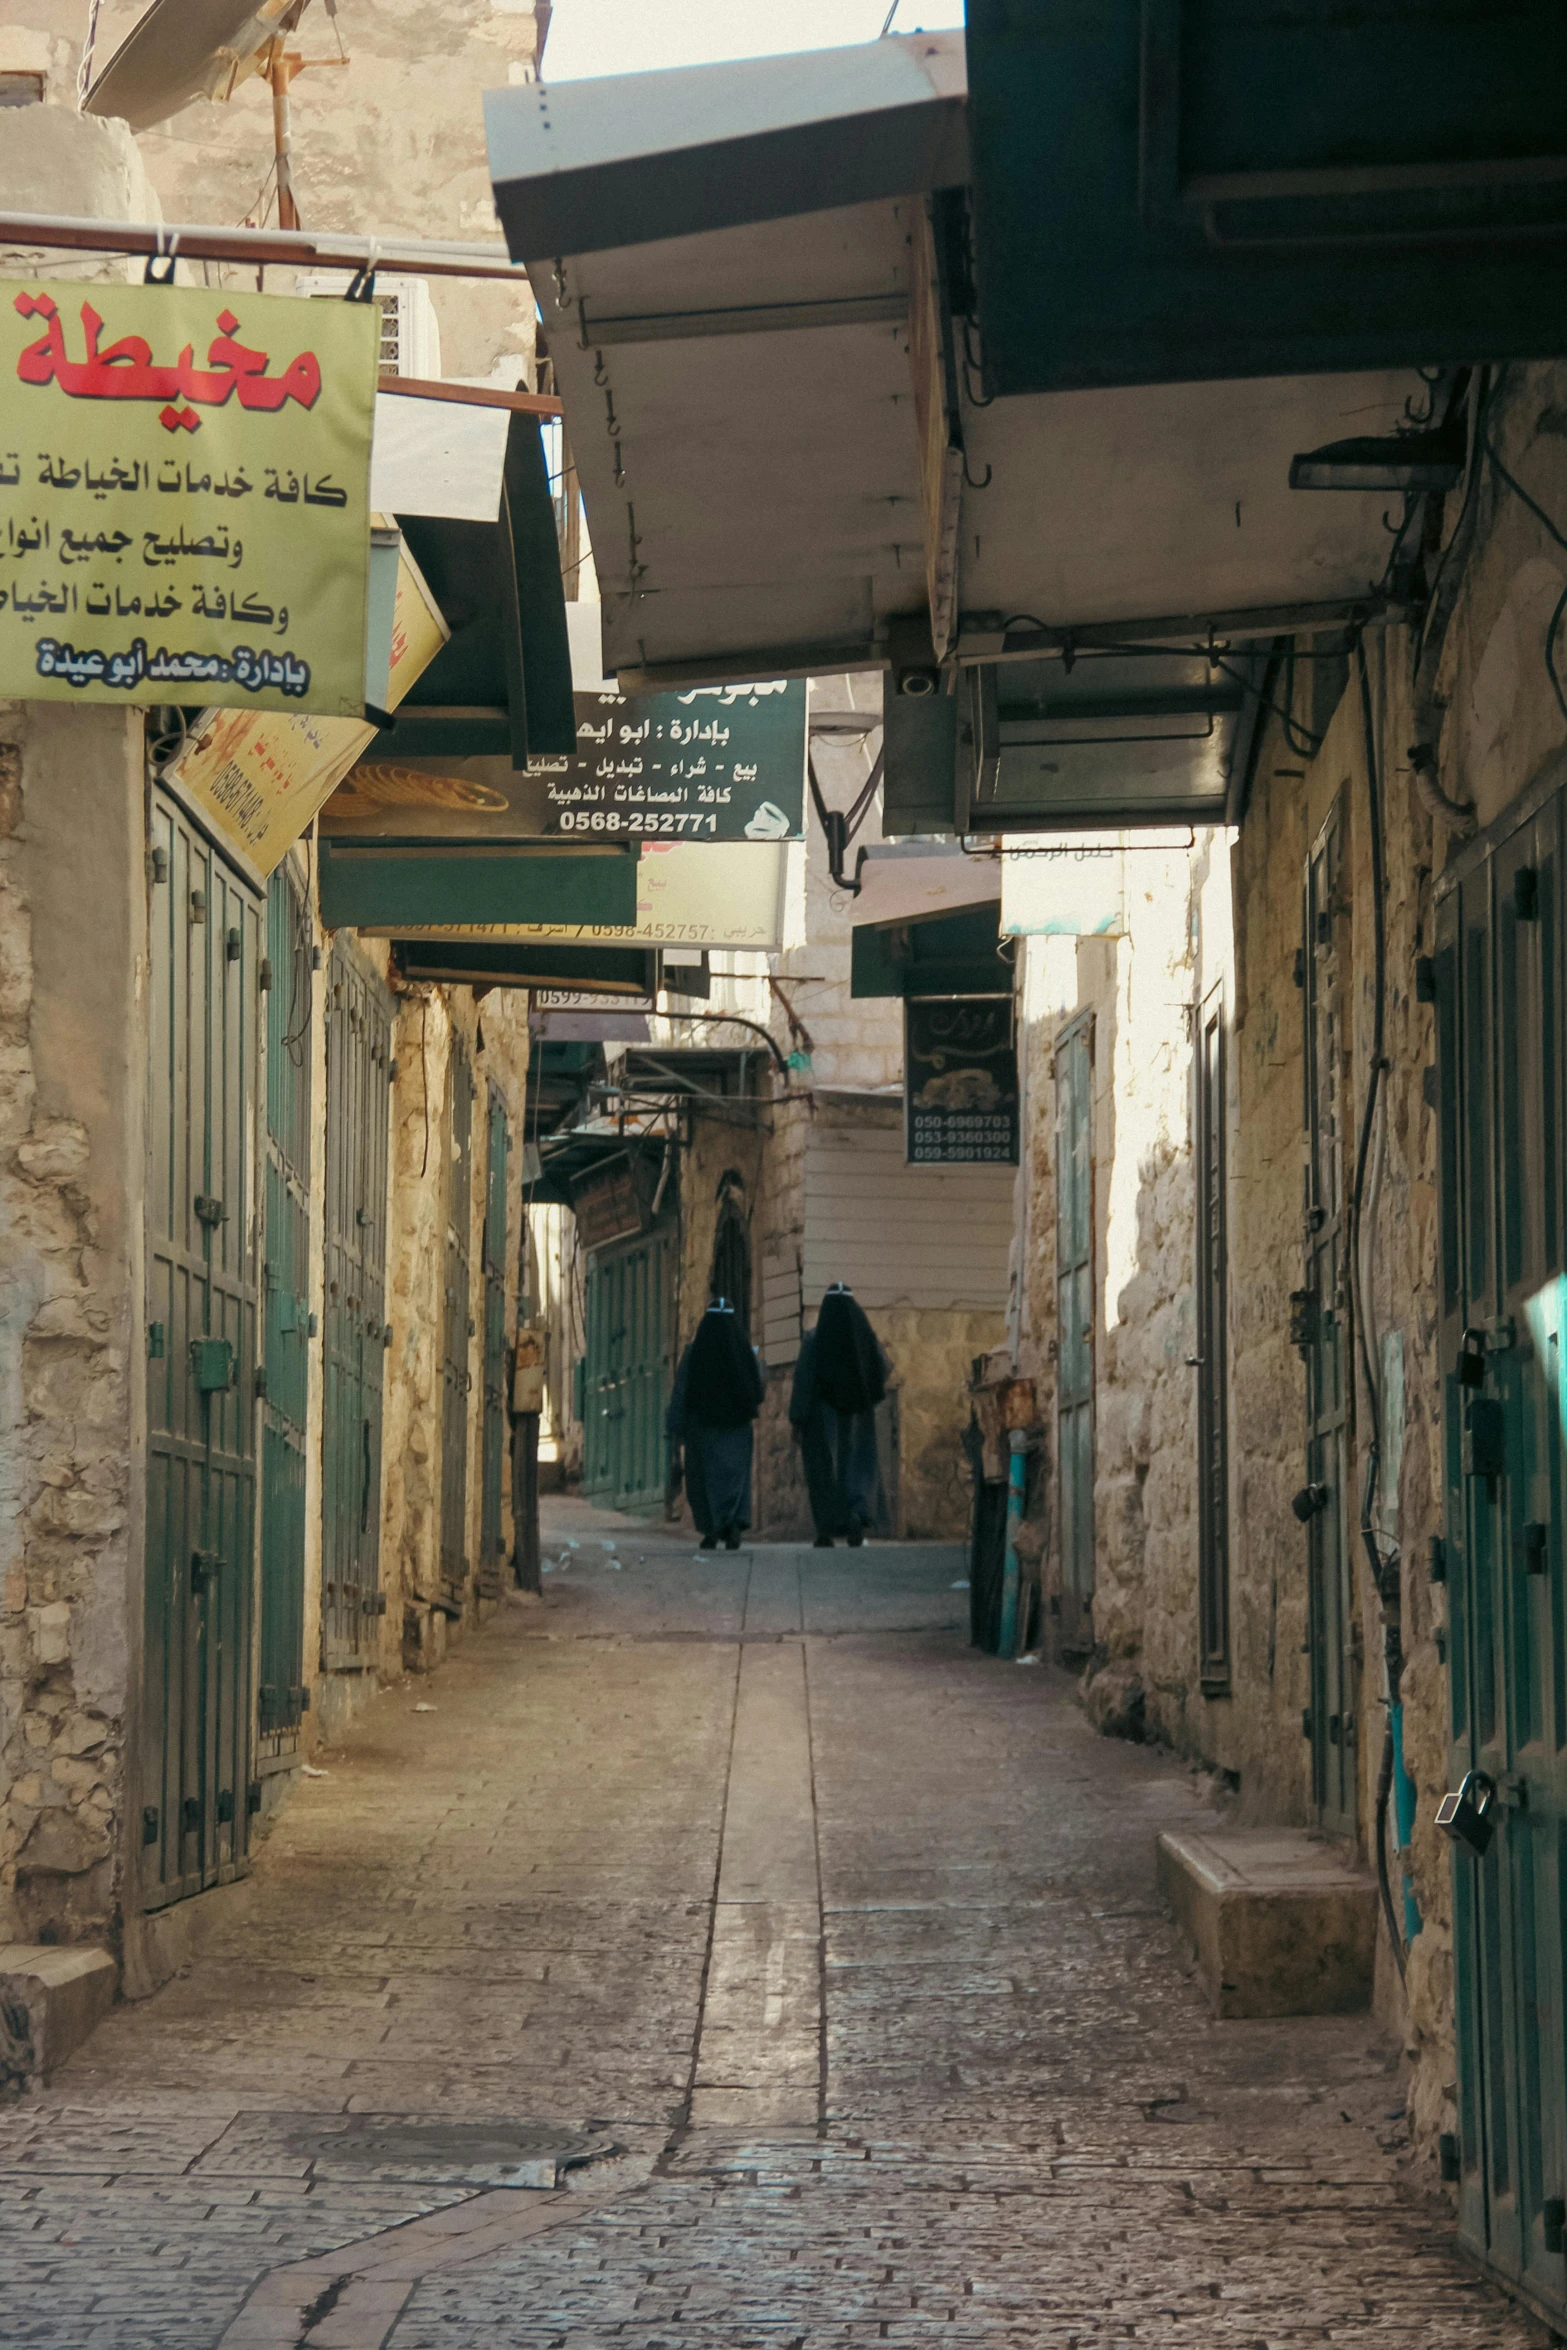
x=125 y=370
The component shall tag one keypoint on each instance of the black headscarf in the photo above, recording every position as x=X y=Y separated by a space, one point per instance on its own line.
x=723 y=1377
x=850 y=1373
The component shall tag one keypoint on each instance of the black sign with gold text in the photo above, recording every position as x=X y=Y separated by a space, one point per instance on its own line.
x=960 y=1089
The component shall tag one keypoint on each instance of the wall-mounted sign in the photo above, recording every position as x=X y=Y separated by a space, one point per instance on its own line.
x=607 y=1208
x=724 y=896
x=960 y=1088
x=716 y=763
x=257 y=779
x=184 y=497
x=1074 y=884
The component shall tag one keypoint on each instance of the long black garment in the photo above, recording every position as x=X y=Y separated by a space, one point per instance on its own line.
x=717 y=1395
x=837 y=1450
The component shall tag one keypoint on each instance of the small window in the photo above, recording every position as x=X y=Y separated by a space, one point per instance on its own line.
x=21 y=89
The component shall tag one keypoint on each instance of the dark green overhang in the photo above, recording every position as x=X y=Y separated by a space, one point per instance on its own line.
x=948 y=954
x=1213 y=188
x=503 y=682
x=373 y=887
x=478 y=962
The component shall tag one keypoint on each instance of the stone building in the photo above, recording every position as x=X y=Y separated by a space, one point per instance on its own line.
x=221 y=1115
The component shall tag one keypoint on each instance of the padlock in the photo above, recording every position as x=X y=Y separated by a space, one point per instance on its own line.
x=1471 y=1359
x=1469 y=1815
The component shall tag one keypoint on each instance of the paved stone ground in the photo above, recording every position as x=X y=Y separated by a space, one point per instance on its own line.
x=1027 y=2129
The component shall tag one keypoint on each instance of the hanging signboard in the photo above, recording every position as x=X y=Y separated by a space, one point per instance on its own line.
x=1074 y=884
x=257 y=779
x=729 y=895
x=960 y=1085
x=176 y=528
x=716 y=763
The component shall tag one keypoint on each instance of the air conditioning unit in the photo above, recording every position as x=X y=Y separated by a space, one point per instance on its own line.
x=410 y=336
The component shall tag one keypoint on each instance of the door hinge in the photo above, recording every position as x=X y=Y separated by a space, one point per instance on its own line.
x=225 y=1807
x=259 y=1379
x=190 y=1815
x=233 y=946
x=160 y=864
x=253 y=1796
x=375 y=1604
x=212 y=1363
x=149 y=1823
x=1536 y=1539
x=1483 y=1444
x=155 y=1342
x=1449 y=2157
x=264 y=975
x=1436 y=1559
x=198 y=905
x=1305 y=1318
x=209 y=1209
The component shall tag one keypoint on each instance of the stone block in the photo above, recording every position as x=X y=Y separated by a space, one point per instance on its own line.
x=1281 y=1922
x=50 y=1999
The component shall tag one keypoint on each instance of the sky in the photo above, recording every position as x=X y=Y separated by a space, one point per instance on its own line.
x=632 y=36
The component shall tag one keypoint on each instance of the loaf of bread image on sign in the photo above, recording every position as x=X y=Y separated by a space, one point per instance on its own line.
x=960 y=1089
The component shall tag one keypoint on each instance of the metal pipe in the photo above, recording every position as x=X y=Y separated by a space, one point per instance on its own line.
x=1011 y=1571
x=293 y=249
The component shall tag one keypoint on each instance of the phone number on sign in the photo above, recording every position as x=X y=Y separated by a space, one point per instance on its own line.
x=630 y=820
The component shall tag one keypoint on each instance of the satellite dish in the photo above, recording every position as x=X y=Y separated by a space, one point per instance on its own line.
x=183 y=50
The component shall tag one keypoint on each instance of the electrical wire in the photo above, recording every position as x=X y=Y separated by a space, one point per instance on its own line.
x=1384 y=1567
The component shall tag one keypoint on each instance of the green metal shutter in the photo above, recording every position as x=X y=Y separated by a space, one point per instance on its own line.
x=629 y=1372
x=492 y=1555
x=201 y=1345
x=285 y=1312
x=358 y=1081
x=456 y=1326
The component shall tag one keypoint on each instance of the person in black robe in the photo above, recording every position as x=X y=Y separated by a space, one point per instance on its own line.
x=839 y=1379
x=717 y=1395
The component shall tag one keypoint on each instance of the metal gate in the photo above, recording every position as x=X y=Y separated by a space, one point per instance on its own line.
x=1212 y=1364
x=1321 y=1330
x=1074 y=1072
x=492 y=1545
x=201 y=1347
x=456 y=1326
x=1499 y=985
x=285 y=1307
x=358 y=1082
x=628 y=1372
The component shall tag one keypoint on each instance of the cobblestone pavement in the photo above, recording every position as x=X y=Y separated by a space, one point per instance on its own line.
x=1024 y=2126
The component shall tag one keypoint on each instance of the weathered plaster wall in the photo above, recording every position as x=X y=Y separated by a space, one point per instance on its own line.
x=72 y=1108
x=73 y=912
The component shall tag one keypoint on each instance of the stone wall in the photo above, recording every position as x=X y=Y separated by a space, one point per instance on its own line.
x=73 y=961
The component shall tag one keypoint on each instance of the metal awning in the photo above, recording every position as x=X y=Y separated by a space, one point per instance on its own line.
x=370 y=887
x=790 y=460
x=1225 y=191
x=939 y=954
x=470 y=489
x=476 y=962
x=573 y=1159
x=916 y=882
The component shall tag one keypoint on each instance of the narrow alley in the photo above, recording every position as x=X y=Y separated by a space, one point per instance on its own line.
x=824 y=1950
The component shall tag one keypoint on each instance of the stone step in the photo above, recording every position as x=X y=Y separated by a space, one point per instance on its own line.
x=51 y=1997
x=1281 y=1922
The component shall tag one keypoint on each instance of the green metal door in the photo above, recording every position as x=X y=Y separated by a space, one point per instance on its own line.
x=629 y=1371
x=358 y=1083
x=1322 y=1330
x=492 y=1549
x=285 y=1307
x=456 y=1327
x=1074 y=1068
x=201 y=1345
x=1499 y=983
